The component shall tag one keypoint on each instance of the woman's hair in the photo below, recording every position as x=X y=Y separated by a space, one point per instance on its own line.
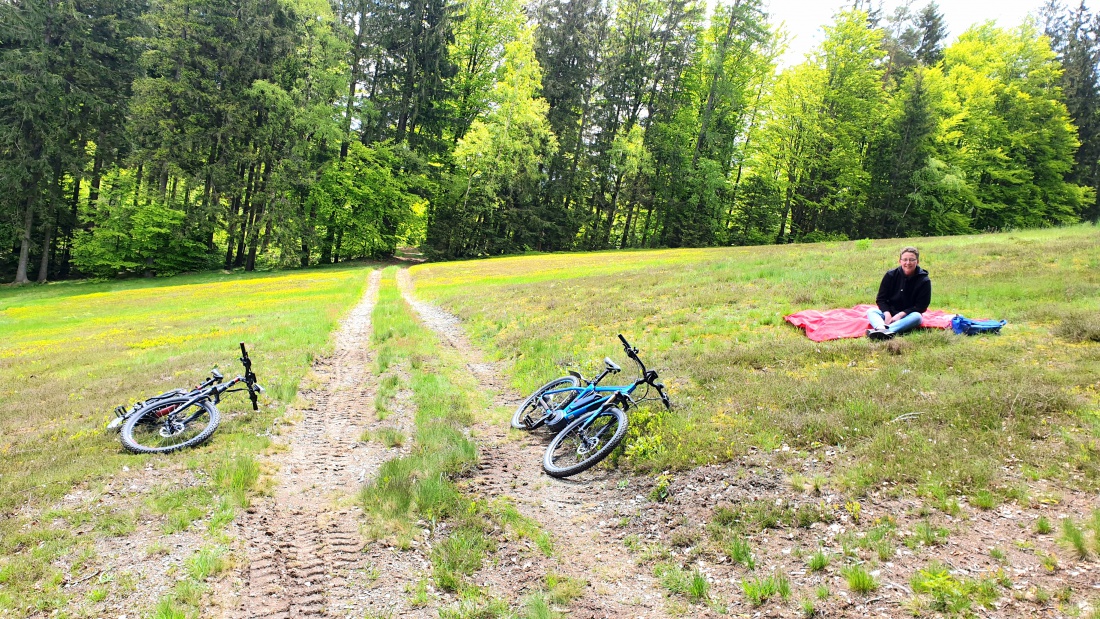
x=909 y=250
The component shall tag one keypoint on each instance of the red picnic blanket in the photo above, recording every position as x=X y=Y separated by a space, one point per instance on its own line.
x=840 y=323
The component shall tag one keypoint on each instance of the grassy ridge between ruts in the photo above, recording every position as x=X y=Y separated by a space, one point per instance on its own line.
x=71 y=352
x=420 y=488
x=932 y=409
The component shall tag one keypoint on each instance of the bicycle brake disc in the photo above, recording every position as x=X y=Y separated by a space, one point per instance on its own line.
x=171 y=428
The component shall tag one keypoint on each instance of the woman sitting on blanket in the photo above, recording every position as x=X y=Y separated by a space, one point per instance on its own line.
x=904 y=293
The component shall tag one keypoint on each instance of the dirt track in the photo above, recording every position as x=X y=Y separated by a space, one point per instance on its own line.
x=306 y=556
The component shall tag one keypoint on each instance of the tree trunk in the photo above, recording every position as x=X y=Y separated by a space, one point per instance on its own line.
x=44 y=265
x=67 y=230
x=137 y=183
x=330 y=238
x=25 y=245
x=97 y=176
x=257 y=217
x=234 y=207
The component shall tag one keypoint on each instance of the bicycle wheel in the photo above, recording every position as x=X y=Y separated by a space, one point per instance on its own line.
x=529 y=414
x=168 y=425
x=576 y=448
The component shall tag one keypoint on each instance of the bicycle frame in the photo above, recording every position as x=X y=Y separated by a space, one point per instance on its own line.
x=210 y=389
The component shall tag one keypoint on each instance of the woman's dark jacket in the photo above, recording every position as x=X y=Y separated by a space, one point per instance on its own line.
x=898 y=293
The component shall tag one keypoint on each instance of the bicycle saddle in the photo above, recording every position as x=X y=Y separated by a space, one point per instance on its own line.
x=611 y=365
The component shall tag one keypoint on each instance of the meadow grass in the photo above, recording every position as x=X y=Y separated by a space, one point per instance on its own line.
x=929 y=409
x=72 y=351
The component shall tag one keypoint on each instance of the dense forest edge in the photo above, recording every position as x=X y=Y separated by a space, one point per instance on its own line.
x=152 y=137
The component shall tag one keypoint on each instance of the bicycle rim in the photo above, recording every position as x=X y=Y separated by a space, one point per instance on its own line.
x=166 y=427
x=578 y=448
x=530 y=413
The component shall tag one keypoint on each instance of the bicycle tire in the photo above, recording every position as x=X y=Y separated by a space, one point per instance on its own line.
x=141 y=433
x=529 y=405
x=566 y=445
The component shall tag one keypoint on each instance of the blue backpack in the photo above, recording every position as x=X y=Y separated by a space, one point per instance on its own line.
x=962 y=324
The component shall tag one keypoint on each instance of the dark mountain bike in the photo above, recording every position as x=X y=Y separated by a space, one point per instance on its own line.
x=181 y=418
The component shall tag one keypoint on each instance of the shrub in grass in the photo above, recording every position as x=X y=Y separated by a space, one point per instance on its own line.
x=1079 y=327
x=1074 y=537
x=859 y=580
x=952 y=595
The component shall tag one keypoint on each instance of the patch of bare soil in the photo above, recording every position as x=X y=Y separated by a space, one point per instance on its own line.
x=966 y=544
x=304 y=552
x=580 y=513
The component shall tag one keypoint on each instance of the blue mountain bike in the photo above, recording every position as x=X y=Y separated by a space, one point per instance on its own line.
x=590 y=419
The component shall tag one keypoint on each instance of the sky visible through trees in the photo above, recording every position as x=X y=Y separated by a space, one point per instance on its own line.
x=160 y=136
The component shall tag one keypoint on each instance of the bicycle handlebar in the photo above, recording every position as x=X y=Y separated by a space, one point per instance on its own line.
x=250 y=379
x=648 y=376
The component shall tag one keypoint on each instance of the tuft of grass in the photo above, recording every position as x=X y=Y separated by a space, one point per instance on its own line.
x=859 y=580
x=116 y=523
x=505 y=512
x=1043 y=526
x=236 y=476
x=760 y=590
x=1074 y=537
x=818 y=561
x=205 y=563
x=741 y=552
x=692 y=585
x=418 y=593
x=984 y=500
x=561 y=590
x=391 y=437
x=926 y=534
x=538 y=607
x=1079 y=327
x=1049 y=561
x=458 y=556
